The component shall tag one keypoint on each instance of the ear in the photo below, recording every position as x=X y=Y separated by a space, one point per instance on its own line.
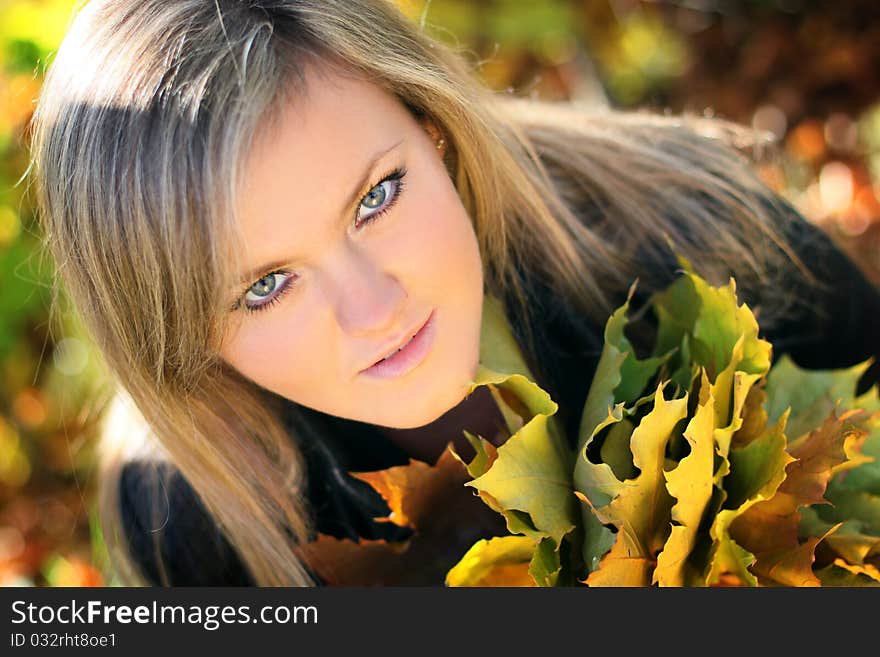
x=431 y=128
x=435 y=134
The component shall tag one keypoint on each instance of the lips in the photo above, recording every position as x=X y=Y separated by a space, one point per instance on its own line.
x=398 y=349
x=407 y=356
x=387 y=353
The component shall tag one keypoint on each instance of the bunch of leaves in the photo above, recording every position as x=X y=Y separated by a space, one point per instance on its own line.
x=697 y=465
x=702 y=465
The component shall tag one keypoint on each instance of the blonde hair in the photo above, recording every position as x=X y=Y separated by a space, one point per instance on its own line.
x=144 y=118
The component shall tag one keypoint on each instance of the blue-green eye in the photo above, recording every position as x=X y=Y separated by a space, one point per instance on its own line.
x=376 y=196
x=264 y=286
x=381 y=197
x=267 y=290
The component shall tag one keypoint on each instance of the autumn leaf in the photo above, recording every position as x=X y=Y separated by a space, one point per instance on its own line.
x=529 y=478
x=620 y=376
x=790 y=566
x=518 y=522
x=507 y=561
x=545 y=566
x=852 y=541
x=812 y=394
x=343 y=562
x=769 y=529
x=690 y=483
x=485 y=455
x=853 y=504
x=532 y=471
x=596 y=484
x=754 y=415
x=432 y=499
x=841 y=573
x=409 y=490
x=620 y=568
x=730 y=392
x=501 y=561
x=714 y=321
x=639 y=507
x=499 y=350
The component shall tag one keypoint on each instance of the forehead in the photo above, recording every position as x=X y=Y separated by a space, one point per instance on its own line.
x=306 y=158
x=332 y=115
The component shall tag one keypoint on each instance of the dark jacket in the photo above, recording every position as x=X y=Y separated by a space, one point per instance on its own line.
x=828 y=329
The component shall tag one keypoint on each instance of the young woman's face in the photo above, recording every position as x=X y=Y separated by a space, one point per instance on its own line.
x=355 y=240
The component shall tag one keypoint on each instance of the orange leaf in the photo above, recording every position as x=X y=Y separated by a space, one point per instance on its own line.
x=789 y=567
x=343 y=562
x=447 y=516
x=620 y=568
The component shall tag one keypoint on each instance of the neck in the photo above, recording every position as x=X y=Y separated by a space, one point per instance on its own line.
x=477 y=413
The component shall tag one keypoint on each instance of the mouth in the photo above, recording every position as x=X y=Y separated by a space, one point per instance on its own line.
x=409 y=355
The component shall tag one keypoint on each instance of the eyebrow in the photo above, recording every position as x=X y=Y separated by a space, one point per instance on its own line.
x=359 y=190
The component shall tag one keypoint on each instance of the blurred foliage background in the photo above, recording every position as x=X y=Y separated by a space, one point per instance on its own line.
x=805 y=70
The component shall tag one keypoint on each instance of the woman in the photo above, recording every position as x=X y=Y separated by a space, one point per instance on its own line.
x=286 y=192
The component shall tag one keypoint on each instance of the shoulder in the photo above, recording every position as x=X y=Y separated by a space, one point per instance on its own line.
x=174 y=540
x=171 y=537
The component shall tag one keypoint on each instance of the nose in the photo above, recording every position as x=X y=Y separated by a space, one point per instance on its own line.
x=367 y=300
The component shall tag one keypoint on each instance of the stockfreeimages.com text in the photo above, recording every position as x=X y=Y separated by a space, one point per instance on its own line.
x=210 y=617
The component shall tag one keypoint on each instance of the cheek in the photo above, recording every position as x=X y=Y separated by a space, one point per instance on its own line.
x=267 y=352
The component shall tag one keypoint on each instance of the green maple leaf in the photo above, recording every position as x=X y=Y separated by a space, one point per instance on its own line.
x=528 y=478
x=713 y=321
x=531 y=473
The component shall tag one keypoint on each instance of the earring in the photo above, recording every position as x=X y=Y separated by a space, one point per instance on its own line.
x=440 y=143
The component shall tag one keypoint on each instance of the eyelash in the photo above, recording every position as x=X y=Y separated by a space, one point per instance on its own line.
x=396 y=175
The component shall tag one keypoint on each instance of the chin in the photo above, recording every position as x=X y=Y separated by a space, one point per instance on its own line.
x=433 y=407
